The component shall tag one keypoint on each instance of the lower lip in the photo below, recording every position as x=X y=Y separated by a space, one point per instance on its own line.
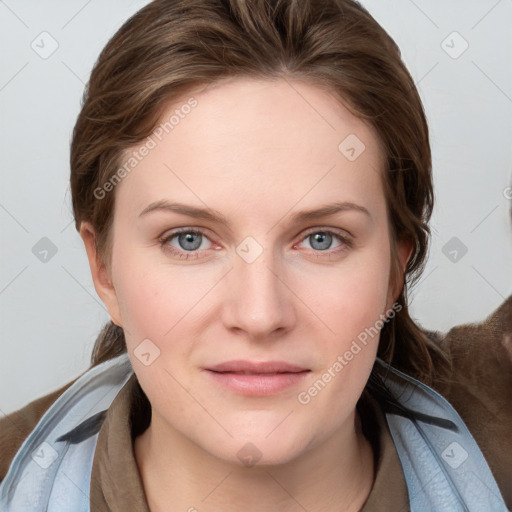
x=258 y=385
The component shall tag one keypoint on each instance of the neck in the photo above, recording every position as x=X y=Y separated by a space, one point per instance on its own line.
x=336 y=475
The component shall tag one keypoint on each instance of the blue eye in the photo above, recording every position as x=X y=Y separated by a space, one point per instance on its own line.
x=189 y=240
x=185 y=243
x=321 y=241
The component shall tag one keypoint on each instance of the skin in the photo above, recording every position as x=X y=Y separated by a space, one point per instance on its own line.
x=256 y=152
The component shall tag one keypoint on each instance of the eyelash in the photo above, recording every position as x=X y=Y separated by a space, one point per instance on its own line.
x=346 y=243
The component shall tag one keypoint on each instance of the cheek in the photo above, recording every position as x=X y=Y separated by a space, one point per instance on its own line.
x=351 y=296
x=154 y=305
x=351 y=305
x=153 y=296
x=352 y=309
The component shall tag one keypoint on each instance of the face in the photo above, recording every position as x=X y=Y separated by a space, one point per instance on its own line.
x=251 y=268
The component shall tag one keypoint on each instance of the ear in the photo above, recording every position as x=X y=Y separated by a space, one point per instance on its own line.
x=100 y=274
x=404 y=248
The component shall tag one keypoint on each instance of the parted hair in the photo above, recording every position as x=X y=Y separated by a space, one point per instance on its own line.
x=170 y=47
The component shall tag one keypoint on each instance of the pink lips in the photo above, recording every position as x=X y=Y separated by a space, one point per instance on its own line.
x=257 y=378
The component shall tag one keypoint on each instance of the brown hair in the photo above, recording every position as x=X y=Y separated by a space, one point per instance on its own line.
x=173 y=46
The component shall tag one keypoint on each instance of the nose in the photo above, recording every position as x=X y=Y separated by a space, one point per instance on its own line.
x=258 y=300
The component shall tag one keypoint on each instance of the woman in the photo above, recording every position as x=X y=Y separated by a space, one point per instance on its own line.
x=252 y=182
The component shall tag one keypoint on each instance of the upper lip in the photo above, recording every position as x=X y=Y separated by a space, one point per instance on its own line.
x=255 y=367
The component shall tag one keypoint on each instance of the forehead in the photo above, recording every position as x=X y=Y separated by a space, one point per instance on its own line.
x=253 y=140
x=280 y=112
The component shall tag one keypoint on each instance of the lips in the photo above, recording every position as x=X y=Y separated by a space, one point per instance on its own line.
x=256 y=368
x=254 y=379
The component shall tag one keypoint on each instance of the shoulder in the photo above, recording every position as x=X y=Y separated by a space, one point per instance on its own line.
x=16 y=426
x=480 y=387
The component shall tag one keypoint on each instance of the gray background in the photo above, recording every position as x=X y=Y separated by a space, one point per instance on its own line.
x=49 y=311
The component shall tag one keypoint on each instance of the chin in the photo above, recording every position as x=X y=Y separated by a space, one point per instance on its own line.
x=258 y=451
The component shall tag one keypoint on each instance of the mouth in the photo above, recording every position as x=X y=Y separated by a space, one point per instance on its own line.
x=255 y=373
x=251 y=378
x=256 y=367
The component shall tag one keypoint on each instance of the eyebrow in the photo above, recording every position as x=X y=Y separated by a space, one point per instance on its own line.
x=208 y=214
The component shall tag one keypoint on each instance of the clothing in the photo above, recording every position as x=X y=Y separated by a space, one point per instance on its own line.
x=481 y=354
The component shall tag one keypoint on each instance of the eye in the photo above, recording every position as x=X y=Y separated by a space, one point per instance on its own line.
x=186 y=243
x=326 y=241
